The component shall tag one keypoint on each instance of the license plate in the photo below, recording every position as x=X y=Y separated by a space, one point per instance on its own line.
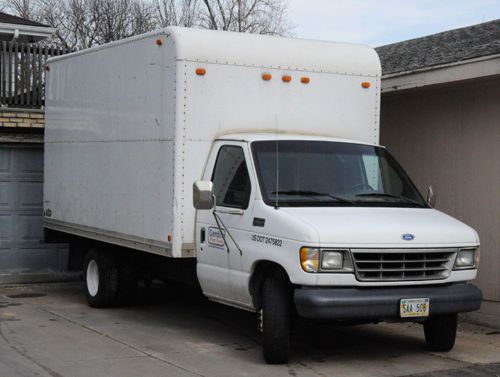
x=414 y=307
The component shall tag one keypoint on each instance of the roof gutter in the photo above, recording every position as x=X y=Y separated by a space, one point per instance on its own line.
x=446 y=65
x=39 y=31
x=441 y=74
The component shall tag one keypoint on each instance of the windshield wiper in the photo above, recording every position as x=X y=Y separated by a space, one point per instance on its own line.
x=400 y=198
x=313 y=193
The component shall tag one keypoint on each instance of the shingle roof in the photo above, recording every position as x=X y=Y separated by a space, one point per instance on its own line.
x=10 y=19
x=442 y=48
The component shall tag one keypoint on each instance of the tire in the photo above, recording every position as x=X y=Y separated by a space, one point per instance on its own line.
x=440 y=332
x=101 y=279
x=276 y=319
x=127 y=282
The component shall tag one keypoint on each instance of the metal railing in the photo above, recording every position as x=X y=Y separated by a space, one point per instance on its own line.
x=22 y=73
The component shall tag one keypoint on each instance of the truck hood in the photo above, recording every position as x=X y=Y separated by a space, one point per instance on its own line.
x=368 y=227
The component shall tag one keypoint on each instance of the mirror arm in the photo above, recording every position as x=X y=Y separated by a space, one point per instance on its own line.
x=431 y=197
x=219 y=222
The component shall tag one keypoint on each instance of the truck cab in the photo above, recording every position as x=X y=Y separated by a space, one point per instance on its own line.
x=329 y=229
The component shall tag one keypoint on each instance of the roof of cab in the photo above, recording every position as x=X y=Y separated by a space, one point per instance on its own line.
x=255 y=50
x=267 y=136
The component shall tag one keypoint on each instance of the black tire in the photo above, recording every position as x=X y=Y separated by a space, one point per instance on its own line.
x=440 y=332
x=101 y=292
x=276 y=320
x=127 y=282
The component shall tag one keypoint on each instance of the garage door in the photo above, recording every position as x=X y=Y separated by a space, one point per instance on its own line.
x=21 y=183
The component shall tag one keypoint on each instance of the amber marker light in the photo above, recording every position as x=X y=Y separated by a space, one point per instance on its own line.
x=169 y=238
x=286 y=78
x=266 y=76
x=201 y=71
x=309 y=259
x=305 y=80
x=365 y=84
x=159 y=42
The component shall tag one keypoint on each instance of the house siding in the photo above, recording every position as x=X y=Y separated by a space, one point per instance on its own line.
x=449 y=136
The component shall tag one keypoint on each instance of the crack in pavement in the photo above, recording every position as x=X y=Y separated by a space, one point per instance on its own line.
x=123 y=343
x=475 y=370
x=446 y=357
x=460 y=371
x=23 y=353
x=306 y=366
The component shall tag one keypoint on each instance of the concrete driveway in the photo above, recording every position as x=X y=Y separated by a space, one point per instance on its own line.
x=48 y=330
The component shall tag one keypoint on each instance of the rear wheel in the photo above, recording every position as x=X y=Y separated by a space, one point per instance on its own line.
x=440 y=332
x=101 y=279
x=276 y=319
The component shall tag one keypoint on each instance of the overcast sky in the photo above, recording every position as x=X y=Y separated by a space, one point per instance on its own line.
x=379 y=22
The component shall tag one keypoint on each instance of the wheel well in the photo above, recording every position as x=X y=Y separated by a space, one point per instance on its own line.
x=262 y=270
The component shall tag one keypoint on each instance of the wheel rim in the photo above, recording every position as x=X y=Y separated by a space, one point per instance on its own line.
x=260 y=321
x=92 y=277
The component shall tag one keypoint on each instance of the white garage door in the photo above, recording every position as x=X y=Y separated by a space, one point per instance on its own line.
x=21 y=183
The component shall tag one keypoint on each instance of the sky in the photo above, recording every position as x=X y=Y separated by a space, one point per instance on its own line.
x=380 y=22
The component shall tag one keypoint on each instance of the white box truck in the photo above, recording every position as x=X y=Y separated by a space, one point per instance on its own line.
x=250 y=164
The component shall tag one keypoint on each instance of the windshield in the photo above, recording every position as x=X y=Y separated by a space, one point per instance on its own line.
x=319 y=173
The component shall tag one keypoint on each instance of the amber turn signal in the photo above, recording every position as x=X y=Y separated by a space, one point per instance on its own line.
x=266 y=76
x=309 y=259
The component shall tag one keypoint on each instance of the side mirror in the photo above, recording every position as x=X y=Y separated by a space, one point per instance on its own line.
x=431 y=197
x=203 y=192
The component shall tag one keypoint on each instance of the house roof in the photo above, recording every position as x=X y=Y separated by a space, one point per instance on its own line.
x=10 y=19
x=443 y=48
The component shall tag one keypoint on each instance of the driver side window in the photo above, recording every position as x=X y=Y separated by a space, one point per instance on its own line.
x=230 y=178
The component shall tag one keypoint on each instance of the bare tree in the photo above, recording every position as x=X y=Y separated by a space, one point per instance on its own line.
x=22 y=8
x=247 y=16
x=120 y=19
x=143 y=18
x=178 y=12
x=252 y=16
x=76 y=21
x=86 y=23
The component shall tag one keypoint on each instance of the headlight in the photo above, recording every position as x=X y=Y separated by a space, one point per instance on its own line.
x=314 y=259
x=332 y=260
x=467 y=258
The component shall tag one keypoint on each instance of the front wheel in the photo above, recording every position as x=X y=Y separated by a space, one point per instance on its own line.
x=276 y=319
x=440 y=332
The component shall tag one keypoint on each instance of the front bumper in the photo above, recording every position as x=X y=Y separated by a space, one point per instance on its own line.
x=382 y=303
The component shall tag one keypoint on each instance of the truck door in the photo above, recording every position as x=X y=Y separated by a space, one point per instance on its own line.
x=228 y=170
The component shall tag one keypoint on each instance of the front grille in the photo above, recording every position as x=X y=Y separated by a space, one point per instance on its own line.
x=403 y=264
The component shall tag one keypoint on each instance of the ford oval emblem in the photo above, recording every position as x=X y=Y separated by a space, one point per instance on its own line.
x=408 y=237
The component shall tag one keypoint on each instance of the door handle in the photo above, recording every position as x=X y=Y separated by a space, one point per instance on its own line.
x=203 y=235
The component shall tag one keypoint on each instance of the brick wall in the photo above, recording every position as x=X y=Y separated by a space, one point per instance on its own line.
x=20 y=118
